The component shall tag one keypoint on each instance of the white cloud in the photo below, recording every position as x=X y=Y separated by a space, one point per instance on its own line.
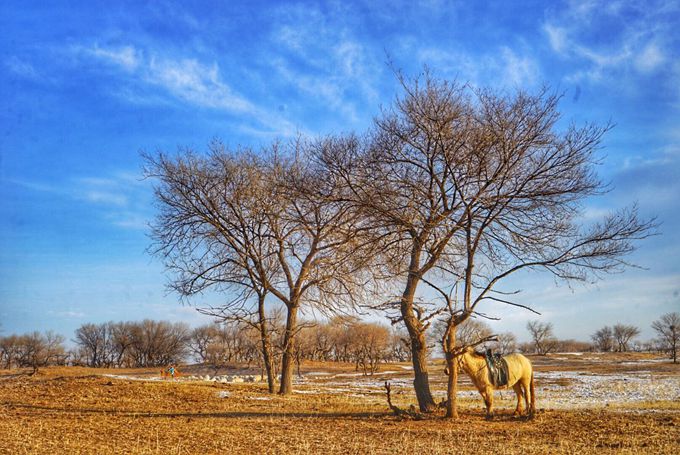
x=21 y=68
x=506 y=67
x=649 y=58
x=109 y=198
x=122 y=199
x=640 y=39
x=557 y=37
x=636 y=297
x=67 y=314
x=519 y=70
x=196 y=83
x=336 y=66
x=186 y=79
x=126 y=57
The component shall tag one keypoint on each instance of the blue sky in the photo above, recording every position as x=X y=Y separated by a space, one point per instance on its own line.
x=86 y=86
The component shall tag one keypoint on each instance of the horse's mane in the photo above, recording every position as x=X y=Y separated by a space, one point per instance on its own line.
x=478 y=354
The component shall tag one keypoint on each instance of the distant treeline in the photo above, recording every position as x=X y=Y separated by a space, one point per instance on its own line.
x=365 y=344
x=158 y=343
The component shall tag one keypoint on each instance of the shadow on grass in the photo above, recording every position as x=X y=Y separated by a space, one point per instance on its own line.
x=55 y=410
x=197 y=415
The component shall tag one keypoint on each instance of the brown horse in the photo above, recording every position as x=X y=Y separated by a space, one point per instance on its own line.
x=520 y=378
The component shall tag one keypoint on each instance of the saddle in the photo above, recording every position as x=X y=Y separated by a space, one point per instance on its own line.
x=498 y=369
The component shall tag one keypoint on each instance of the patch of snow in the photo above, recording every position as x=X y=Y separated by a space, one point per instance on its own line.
x=223 y=394
x=132 y=378
x=637 y=362
x=591 y=390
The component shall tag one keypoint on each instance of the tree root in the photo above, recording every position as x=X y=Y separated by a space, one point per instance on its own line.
x=410 y=413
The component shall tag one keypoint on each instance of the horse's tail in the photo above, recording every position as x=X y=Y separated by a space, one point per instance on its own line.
x=532 y=410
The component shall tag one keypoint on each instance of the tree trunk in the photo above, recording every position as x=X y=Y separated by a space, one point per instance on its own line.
x=421 y=382
x=452 y=380
x=288 y=360
x=266 y=344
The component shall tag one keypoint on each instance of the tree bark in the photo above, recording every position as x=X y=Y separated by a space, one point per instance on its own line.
x=288 y=360
x=452 y=380
x=421 y=382
x=266 y=344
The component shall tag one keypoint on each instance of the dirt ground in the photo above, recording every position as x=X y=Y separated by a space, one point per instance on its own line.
x=587 y=403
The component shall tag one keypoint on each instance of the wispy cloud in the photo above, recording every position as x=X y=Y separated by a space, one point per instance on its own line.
x=121 y=199
x=322 y=57
x=506 y=67
x=186 y=79
x=520 y=70
x=22 y=68
x=67 y=314
x=650 y=58
x=127 y=57
x=642 y=45
x=196 y=83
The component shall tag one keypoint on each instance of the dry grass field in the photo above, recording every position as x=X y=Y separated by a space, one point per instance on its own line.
x=587 y=404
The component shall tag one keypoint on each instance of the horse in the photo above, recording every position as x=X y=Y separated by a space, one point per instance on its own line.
x=520 y=378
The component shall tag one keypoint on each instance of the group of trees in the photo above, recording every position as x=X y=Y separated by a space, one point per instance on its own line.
x=619 y=337
x=616 y=338
x=364 y=344
x=32 y=350
x=473 y=332
x=130 y=344
x=160 y=343
x=112 y=344
x=453 y=189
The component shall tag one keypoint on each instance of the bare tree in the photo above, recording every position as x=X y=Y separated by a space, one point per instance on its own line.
x=467 y=333
x=95 y=342
x=400 y=346
x=623 y=334
x=542 y=337
x=371 y=343
x=506 y=343
x=212 y=232
x=157 y=343
x=260 y=225
x=572 y=345
x=667 y=328
x=465 y=188
x=200 y=340
x=402 y=181
x=9 y=350
x=603 y=339
x=121 y=343
x=36 y=350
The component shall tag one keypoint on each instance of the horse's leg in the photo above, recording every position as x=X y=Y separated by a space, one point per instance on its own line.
x=518 y=390
x=527 y=393
x=488 y=400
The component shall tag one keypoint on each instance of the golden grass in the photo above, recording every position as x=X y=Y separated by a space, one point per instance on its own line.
x=66 y=410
